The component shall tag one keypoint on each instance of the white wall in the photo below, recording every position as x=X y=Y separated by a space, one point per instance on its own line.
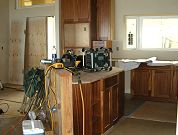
x=142 y=7
x=4 y=40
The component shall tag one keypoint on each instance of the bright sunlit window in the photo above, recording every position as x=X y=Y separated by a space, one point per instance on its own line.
x=28 y=3
x=51 y=35
x=152 y=32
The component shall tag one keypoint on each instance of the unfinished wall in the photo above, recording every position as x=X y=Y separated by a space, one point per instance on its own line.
x=142 y=7
x=18 y=17
x=4 y=40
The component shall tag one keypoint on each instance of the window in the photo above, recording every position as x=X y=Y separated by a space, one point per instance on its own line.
x=152 y=32
x=51 y=35
x=28 y=3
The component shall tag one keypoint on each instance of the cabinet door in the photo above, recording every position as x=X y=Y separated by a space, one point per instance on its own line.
x=161 y=83
x=106 y=109
x=114 y=103
x=121 y=87
x=105 y=19
x=83 y=10
x=141 y=82
x=68 y=10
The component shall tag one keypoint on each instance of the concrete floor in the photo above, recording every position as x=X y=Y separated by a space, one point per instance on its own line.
x=136 y=122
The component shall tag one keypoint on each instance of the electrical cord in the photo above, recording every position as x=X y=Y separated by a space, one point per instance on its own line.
x=83 y=103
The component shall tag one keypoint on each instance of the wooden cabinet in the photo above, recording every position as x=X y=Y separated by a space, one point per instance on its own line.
x=75 y=11
x=68 y=10
x=112 y=101
x=141 y=82
x=105 y=19
x=154 y=82
x=83 y=10
x=78 y=25
x=161 y=83
x=104 y=104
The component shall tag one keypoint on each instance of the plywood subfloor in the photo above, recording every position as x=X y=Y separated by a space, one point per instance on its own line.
x=131 y=126
x=157 y=111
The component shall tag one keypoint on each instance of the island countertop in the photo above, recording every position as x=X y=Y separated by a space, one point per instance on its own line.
x=89 y=77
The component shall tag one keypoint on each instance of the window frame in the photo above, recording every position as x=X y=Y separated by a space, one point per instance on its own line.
x=139 y=24
x=32 y=6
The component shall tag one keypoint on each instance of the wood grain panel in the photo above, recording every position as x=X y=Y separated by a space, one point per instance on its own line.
x=68 y=10
x=36 y=41
x=115 y=103
x=162 y=81
x=106 y=109
x=61 y=84
x=141 y=82
x=16 y=52
x=83 y=10
x=77 y=109
x=105 y=19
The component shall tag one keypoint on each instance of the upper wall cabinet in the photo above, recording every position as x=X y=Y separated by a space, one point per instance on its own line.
x=105 y=19
x=79 y=25
x=76 y=10
x=68 y=10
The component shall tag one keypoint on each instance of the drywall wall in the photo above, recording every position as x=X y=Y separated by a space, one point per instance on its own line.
x=141 y=7
x=4 y=40
x=18 y=17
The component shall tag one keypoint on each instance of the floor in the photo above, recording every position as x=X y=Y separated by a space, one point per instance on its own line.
x=141 y=117
x=146 y=118
x=10 y=122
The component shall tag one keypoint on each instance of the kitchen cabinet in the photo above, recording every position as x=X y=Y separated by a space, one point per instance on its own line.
x=76 y=11
x=112 y=101
x=78 y=25
x=140 y=82
x=161 y=83
x=105 y=19
x=104 y=101
x=156 y=83
x=68 y=10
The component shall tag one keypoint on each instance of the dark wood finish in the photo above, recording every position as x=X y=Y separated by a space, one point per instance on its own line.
x=105 y=19
x=106 y=109
x=121 y=93
x=161 y=83
x=77 y=111
x=112 y=101
x=68 y=10
x=115 y=103
x=77 y=12
x=140 y=82
x=154 y=83
x=83 y=10
x=104 y=104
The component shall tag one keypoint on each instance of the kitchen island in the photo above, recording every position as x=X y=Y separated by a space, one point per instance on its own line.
x=103 y=94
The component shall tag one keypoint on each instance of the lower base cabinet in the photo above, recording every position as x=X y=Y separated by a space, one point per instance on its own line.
x=154 y=83
x=104 y=105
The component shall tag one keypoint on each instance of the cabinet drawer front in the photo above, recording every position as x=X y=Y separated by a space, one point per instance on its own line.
x=111 y=81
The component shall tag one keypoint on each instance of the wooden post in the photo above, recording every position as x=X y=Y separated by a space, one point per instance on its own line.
x=62 y=85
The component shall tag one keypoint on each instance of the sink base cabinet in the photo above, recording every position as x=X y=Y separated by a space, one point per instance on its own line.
x=104 y=105
x=154 y=83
